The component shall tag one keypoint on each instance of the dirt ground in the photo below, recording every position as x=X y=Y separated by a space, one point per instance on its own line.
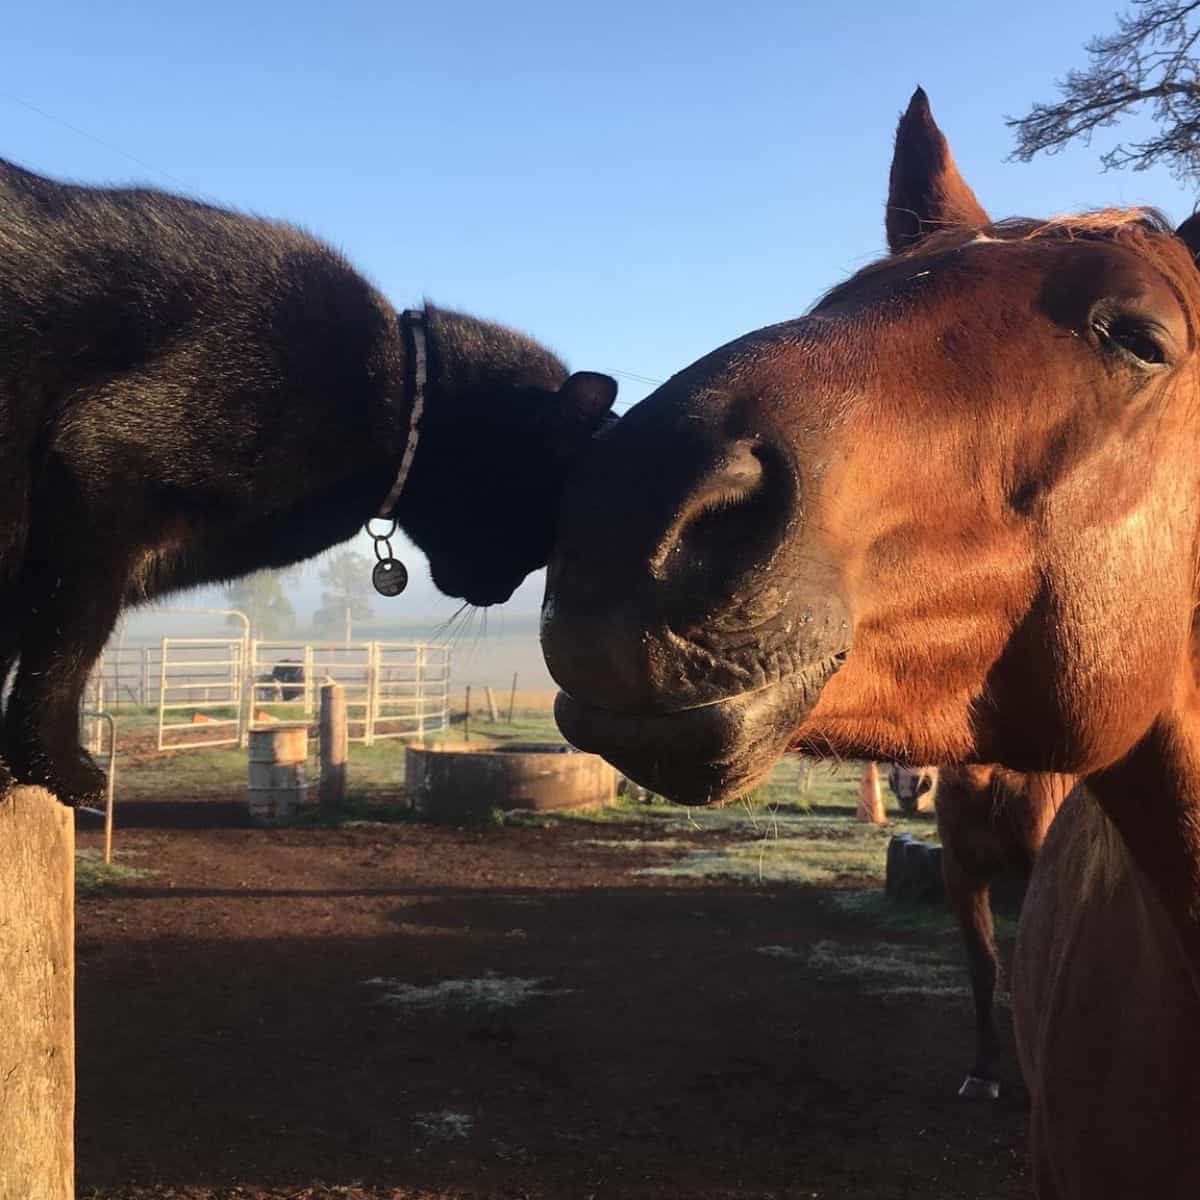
x=412 y=1011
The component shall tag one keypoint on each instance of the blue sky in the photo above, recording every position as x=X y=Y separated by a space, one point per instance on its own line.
x=632 y=183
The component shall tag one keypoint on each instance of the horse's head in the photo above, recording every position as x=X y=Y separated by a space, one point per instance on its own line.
x=913 y=787
x=951 y=514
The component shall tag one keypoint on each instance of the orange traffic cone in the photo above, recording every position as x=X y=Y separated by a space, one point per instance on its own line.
x=870 y=798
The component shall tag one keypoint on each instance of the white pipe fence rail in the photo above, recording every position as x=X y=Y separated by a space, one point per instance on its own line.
x=209 y=692
x=393 y=689
x=99 y=720
x=200 y=683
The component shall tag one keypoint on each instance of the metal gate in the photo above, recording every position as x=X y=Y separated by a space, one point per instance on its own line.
x=411 y=695
x=393 y=689
x=200 y=692
x=127 y=676
x=210 y=691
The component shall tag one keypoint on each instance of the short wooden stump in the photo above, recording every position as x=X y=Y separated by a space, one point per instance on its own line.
x=277 y=786
x=914 y=870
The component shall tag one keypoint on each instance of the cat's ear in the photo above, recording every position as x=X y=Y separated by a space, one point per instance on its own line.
x=585 y=399
x=1189 y=234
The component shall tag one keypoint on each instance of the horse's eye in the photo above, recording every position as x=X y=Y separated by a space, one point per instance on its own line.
x=1131 y=337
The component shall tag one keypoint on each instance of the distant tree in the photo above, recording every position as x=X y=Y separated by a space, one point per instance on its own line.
x=1149 y=61
x=262 y=597
x=345 y=584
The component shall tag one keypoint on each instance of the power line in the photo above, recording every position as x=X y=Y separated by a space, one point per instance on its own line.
x=633 y=375
x=91 y=137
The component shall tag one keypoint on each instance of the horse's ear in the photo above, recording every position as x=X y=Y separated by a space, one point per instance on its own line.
x=1189 y=234
x=926 y=193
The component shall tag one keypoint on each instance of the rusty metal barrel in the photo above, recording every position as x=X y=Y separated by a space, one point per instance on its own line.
x=278 y=781
x=461 y=781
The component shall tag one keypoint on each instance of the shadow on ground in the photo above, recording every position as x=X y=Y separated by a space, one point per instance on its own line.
x=667 y=1039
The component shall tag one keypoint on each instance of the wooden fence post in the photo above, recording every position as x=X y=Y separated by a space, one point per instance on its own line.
x=870 y=797
x=334 y=745
x=491 y=706
x=512 y=698
x=37 y=974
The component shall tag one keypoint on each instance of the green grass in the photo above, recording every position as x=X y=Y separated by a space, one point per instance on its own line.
x=623 y=812
x=877 y=910
x=201 y=774
x=379 y=769
x=528 y=726
x=894 y=971
x=375 y=772
x=791 y=830
x=803 y=783
x=789 y=847
x=93 y=877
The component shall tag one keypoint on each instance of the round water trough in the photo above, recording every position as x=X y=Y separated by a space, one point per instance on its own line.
x=457 y=780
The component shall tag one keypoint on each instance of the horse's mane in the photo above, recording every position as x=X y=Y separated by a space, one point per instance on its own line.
x=1099 y=846
x=1145 y=231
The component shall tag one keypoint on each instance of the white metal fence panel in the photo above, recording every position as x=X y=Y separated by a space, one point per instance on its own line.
x=288 y=675
x=211 y=691
x=393 y=689
x=200 y=691
x=129 y=675
x=126 y=677
x=411 y=696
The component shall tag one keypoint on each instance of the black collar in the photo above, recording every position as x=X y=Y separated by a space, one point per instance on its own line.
x=415 y=331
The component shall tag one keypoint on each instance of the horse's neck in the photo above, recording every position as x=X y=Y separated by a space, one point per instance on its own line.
x=1045 y=793
x=1153 y=798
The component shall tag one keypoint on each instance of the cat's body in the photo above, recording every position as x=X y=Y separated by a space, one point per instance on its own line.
x=188 y=394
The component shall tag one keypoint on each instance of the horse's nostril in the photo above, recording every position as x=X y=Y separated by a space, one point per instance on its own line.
x=715 y=518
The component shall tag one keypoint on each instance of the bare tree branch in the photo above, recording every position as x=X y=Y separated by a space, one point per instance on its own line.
x=1148 y=61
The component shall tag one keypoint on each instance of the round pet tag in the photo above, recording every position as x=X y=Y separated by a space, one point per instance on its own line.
x=389 y=577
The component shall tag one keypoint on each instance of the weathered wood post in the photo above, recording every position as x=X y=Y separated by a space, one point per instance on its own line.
x=37 y=970
x=512 y=698
x=492 y=717
x=870 y=797
x=334 y=745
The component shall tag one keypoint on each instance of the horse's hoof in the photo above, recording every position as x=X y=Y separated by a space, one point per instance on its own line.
x=975 y=1088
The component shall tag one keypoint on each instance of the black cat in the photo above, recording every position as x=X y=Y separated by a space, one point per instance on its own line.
x=189 y=394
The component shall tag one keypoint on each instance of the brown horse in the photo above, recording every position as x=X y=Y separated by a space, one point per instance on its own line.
x=915 y=788
x=1108 y=1020
x=735 y=576
x=992 y=823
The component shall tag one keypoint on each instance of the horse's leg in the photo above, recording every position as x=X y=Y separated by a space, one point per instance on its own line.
x=969 y=898
x=1045 y=1178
